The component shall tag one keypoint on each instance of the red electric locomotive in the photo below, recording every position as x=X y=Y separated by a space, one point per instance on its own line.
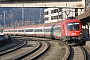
x=72 y=31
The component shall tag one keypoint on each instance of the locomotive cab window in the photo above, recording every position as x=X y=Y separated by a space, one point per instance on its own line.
x=73 y=26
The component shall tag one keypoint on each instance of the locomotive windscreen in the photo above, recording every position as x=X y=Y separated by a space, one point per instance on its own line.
x=73 y=26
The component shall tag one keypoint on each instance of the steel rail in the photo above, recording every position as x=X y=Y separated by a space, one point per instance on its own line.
x=28 y=53
x=13 y=48
x=38 y=56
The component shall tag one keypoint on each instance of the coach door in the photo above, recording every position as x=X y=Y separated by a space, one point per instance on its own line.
x=52 y=32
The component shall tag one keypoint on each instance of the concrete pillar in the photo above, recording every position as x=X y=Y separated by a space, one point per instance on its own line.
x=87 y=31
x=83 y=31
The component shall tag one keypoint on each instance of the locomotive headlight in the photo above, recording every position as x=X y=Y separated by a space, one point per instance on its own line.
x=80 y=33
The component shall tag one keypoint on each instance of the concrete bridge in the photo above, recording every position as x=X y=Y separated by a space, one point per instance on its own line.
x=41 y=3
x=85 y=19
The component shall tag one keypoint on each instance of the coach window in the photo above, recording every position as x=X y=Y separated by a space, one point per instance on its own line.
x=15 y=30
x=25 y=30
x=9 y=31
x=59 y=29
x=31 y=30
x=22 y=30
x=12 y=30
x=40 y=30
x=35 y=30
x=45 y=30
x=28 y=30
x=5 y=31
x=19 y=30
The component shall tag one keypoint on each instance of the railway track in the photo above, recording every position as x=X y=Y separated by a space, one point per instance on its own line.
x=8 y=50
x=36 y=53
x=36 y=49
x=66 y=56
x=33 y=48
x=87 y=49
x=13 y=47
x=30 y=50
x=9 y=44
x=77 y=53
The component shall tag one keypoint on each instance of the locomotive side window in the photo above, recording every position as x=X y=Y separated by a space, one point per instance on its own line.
x=73 y=26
